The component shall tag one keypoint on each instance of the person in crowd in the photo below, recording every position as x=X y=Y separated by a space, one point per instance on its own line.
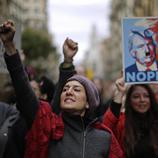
x=98 y=81
x=8 y=94
x=67 y=69
x=80 y=70
x=73 y=133
x=137 y=128
x=31 y=72
x=13 y=128
x=36 y=88
x=12 y=132
x=47 y=88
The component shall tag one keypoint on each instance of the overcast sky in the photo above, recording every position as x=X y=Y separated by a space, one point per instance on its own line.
x=74 y=19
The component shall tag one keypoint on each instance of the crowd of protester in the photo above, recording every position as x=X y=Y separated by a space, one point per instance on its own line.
x=71 y=119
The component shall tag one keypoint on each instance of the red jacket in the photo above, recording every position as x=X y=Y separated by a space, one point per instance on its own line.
x=116 y=125
x=47 y=125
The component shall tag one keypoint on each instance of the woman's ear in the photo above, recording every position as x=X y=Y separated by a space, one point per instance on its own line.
x=87 y=106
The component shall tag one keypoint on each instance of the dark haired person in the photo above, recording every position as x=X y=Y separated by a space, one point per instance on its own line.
x=137 y=128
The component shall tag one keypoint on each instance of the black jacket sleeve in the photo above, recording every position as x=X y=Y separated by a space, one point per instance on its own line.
x=27 y=101
x=115 y=108
x=64 y=74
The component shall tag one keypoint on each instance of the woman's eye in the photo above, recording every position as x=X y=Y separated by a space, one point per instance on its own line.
x=64 y=89
x=77 y=90
x=135 y=96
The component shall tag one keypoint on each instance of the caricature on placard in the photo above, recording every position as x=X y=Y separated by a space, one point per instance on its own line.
x=140 y=43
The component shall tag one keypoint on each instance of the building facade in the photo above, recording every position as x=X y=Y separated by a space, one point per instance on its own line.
x=30 y=13
x=35 y=14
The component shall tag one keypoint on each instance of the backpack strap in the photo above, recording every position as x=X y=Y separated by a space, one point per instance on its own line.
x=4 y=131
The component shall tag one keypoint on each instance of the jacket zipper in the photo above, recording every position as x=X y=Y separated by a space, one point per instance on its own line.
x=84 y=144
x=84 y=136
x=84 y=139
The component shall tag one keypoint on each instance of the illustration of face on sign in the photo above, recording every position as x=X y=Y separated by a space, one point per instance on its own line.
x=140 y=50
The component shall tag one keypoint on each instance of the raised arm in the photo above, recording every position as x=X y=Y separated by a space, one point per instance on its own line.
x=119 y=92
x=66 y=70
x=111 y=117
x=27 y=101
